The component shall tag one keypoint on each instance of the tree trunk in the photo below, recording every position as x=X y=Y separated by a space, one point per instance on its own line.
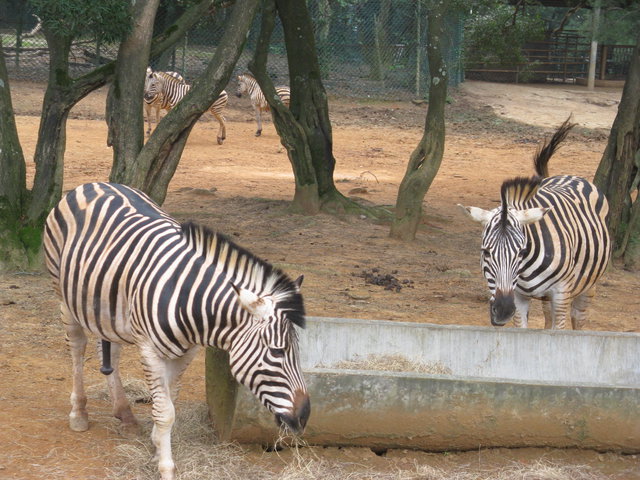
x=154 y=167
x=619 y=171
x=22 y=214
x=292 y=135
x=425 y=160
x=309 y=103
x=13 y=190
x=124 y=101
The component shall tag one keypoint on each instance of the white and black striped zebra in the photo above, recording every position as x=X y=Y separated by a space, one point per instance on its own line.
x=547 y=240
x=129 y=274
x=155 y=102
x=164 y=90
x=248 y=85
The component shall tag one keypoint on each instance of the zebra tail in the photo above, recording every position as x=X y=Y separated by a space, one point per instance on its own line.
x=544 y=153
x=106 y=368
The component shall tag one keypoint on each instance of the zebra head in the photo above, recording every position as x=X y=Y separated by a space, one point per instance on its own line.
x=243 y=84
x=504 y=243
x=265 y=356
x=152 y=86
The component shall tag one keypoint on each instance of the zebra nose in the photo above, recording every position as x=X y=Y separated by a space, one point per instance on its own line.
x=303 y=409
x=502 y=308
x=297 y=420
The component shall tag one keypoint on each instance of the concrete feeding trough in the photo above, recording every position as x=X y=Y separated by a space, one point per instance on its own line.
x=495 y=387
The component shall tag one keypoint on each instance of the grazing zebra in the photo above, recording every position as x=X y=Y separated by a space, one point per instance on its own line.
x=130 y=274
x=247 y=84
x=547 y=240
x=164 y=90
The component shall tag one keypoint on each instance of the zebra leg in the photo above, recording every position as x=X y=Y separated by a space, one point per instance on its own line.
x=147 y=109
x=175 y=369
x=77 y=341
x=560 y=305
x=222 y=131
x=121 y=406
x=521 y=317
x=259 y=122
x=579 y=308
x=156 y=371
x=546 y=309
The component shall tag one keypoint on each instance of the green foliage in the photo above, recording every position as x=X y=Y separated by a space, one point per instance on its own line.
x=109 y=20
x=495 y=34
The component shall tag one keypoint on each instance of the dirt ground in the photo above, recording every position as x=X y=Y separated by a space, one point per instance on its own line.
x=243 y=188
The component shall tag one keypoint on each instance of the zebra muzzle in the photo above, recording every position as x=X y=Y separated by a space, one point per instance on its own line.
x=501 y=308
x=297 y=420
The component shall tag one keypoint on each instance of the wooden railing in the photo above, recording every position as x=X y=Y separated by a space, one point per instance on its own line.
x=564 y=58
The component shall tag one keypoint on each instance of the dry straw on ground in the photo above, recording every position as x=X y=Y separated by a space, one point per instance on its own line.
x=198 y=456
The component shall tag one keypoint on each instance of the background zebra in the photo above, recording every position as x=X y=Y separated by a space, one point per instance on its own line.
x=128 y=273
x=247 y=84
x=155 y=101
x=548 y=240
x=163 y=90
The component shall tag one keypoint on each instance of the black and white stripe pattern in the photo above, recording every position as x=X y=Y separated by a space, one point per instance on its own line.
x=547 y=240
x=129 y=274
x=163 y=90
x=155 y=100
x=248 y=85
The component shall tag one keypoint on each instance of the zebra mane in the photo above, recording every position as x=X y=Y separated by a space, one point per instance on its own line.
x=284 y=290
x=544 y=152
x=515 y=192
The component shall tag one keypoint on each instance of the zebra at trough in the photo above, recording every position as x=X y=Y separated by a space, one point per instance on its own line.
x=164 y=91
x=547 y=240
x=128 y=273
x=248 y=85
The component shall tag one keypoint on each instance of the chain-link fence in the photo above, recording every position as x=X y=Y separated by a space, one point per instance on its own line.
x=366 y=48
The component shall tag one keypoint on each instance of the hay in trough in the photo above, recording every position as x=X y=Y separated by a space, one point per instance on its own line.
x=392 y=363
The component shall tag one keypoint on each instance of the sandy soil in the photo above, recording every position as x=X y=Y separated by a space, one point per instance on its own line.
x=243 y=188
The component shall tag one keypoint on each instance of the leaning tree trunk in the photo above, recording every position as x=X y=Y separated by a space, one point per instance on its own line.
x=618 y=174
x=13 y=190
x=292 y=135
x=309 y=105
x=61 y=95
x=155 y=165
x=425 y=160
x=124 y=101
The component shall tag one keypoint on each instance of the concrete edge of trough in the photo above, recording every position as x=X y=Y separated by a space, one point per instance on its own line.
x=439 y=413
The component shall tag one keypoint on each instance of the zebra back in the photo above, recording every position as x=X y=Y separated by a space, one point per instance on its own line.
x=131 y=247
x=247 y=84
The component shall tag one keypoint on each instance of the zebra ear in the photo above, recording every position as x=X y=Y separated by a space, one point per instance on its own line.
x=298 y=282
x=477 y=214
x=530 y=215
x=251 y=302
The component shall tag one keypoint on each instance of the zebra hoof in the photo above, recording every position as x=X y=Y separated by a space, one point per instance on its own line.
x=79 y=423
x=258 y=133
x=220 y=140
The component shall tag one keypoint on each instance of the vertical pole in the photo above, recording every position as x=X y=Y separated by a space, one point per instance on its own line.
x=591 y=82
x=604 y=53
x=418 y=49
x=222 y=390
